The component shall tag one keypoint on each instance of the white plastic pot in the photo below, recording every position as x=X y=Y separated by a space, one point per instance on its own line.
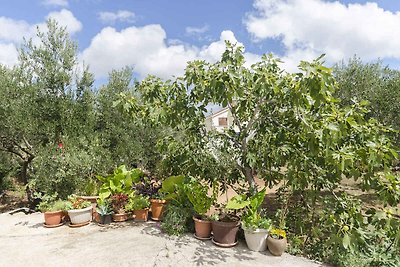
x=80 y=216
x=256 y=239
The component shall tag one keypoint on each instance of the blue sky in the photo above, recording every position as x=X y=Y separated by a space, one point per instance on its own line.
x=159 y=37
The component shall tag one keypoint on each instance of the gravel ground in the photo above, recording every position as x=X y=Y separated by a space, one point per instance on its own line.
x=25 y=242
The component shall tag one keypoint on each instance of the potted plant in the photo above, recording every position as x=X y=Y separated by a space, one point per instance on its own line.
x=118 y=202
x=140 y=206
x=53 y=211
x=277 y=241
x=225 y=224
x=79 y=211
x=224 y=227
x=148 y=187
x=198 y=196
x=91 y=191
x=104 y=210
x=256 y=228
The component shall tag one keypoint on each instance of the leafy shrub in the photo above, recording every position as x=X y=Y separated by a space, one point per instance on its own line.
x=176 y=220
x=344 y=234
x=137 y=202
x=67 y=170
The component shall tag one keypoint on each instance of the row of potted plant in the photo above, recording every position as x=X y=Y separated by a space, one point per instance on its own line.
x=78 y=210
x=128 y=192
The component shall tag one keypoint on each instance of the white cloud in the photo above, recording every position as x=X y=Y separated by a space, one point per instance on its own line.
x=63 y=3
x=113 y=17
x=308 y=28
x=66 y=19
x=8 y=54
x=13 y=31
x=196 y=30
x=148 y=51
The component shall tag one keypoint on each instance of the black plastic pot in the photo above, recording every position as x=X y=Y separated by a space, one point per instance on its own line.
x=105 y=219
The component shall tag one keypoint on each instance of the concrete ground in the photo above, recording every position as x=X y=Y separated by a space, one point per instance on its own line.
x=25 y=242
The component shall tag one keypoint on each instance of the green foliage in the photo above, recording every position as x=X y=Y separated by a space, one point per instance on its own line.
x=343 y=232
x=104 y=207
x=75 y=202
x=173 y=190
x=46 y=201
x=130 y=137
x=120 y=181
x=373 y=82
x=197 y=194
x=252 y=217
x=177 y=220
x=137 y=202
x=68 y=170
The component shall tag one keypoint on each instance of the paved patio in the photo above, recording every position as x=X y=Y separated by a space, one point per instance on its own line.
x=25 y=242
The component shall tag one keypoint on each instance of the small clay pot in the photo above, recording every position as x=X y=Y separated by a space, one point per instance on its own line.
x=225 y=232
x=276 y=246
x=157 y=208
x=120 y=217
x=53 y=217
x=141 y=215
x=202 y=227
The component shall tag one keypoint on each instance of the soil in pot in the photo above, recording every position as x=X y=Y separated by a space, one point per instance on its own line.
x=224 y=232
x=120 y=217
x=276 y=246
x=141 y=215
x=53 y=217
x=105 y=219
x=157 y=208
x=256 y=239
x=202 y=227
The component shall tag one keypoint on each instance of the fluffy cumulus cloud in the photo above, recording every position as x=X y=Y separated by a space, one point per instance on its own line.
x=13 y=31
x=148 y=51
x=8 y=54
x=113 y=17
x=66 y=19
x=63 y=3
x=308 y=28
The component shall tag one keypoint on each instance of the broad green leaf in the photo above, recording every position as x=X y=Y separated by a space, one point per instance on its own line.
x=168 y=185
x=238 y=202
x=346 y=241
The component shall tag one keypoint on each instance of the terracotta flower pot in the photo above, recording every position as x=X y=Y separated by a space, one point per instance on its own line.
x=141 y=215
x=256 y=239
x=225 y=233
x=53 y=217
x=120 y=217
x=80 y=216
x=157 y=208
x=276 y=246
x=202 y=227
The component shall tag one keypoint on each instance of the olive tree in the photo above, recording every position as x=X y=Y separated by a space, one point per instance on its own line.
x=44 y=98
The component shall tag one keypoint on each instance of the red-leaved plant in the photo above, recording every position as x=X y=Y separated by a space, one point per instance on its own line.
x=118 y=202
